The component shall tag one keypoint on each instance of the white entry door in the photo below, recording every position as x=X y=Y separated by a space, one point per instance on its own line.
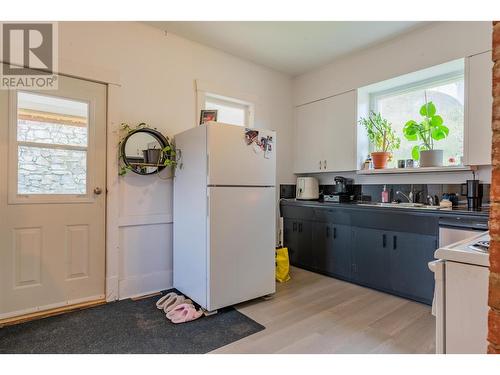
x=52 y=196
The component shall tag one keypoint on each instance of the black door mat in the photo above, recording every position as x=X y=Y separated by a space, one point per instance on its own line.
x=126 y=327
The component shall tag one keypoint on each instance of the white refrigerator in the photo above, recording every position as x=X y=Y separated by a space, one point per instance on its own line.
x=225 y=214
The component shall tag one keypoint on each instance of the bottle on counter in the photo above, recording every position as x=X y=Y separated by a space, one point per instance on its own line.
x=385 y=195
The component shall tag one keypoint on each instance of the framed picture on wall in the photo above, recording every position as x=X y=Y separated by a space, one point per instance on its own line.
x=208 y=115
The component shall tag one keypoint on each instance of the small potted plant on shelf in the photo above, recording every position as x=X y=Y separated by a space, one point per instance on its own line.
x=427 y=131
x=382 y=136
x=154 y=159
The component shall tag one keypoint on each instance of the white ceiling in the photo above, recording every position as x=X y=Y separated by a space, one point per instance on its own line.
x=289 y=47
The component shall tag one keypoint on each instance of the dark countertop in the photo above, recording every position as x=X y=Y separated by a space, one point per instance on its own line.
x=459 y=210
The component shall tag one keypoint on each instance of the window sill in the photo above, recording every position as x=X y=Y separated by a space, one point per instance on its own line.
x=417 y=170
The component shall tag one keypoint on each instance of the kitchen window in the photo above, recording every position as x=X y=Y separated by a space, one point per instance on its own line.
x=401 y=104
x=230 y=110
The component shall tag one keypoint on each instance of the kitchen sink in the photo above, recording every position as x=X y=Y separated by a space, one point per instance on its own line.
x=401 y=205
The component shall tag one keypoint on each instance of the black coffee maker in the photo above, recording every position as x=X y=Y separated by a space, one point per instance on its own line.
x=342 y=190
x=343 y=185
x=474 y=192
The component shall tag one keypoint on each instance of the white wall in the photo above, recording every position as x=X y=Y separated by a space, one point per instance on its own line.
x=424 y=47
x=157 y=74
x=433 y=44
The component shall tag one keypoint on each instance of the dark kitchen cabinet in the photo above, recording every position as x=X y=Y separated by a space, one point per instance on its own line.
x=290 y=239
x=371 y=257
x=409 y=274
x=298 y=239
x=340 y=262
x=321 y=246
x=385 y=251
x=330 y=249
x=395 y=262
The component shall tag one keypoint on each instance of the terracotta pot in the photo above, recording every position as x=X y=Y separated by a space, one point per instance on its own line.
x=379 y=159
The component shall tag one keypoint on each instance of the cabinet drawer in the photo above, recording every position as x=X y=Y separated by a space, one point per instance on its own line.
x=394 y=221
x=297 y=212
x=334 y=215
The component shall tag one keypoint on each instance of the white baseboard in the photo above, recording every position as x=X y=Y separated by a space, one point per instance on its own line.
x=50 y=306
x=136 y=286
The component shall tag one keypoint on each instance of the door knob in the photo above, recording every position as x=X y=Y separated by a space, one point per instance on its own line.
x=97 y=191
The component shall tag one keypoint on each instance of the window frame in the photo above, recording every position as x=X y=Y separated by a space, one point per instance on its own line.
x=219 y=91
x=231 y=102
x=409 y=87
x=14 y=197
x=434 y=81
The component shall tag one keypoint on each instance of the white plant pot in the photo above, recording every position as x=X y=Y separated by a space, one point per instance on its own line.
x=431 y=158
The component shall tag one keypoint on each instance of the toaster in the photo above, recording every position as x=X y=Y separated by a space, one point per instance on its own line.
x=307 y=188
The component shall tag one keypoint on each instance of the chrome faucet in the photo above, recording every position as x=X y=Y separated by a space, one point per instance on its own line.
x=409 y=198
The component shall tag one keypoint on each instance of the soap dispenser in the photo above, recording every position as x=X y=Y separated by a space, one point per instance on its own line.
x=385 y=195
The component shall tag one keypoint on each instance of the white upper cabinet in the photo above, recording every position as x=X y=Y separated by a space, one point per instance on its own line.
x=325 y=135
x=309 y=120
x=339 y=133
x=478 y=116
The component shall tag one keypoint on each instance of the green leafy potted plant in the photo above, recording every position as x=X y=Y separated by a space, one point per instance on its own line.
x=427 y=131
x=382 y=136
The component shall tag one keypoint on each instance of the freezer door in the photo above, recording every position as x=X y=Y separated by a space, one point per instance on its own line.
x=232 y=162
x=242 y=240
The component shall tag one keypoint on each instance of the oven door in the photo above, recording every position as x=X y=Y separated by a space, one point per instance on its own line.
x=457 y=228
x=448 y=235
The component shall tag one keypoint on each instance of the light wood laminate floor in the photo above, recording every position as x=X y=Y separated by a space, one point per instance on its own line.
x=313 y=313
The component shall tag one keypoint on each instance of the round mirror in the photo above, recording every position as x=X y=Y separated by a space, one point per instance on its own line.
x=141 y=150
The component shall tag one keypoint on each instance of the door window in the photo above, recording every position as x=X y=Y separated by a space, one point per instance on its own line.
x=52 y=140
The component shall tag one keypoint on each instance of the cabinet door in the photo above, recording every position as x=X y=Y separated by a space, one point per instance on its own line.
x=306 y=253
x=298 y=238
x=478 y=121
x=370 y=254
x=338 y=133
x=409 y=256
x=321 y=245
x=309 y=120
x=290 y=239
x=340 y=262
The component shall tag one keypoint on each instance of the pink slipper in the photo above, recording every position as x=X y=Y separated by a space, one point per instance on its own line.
x=166 y=299
x=183 y=313
x=176 y=301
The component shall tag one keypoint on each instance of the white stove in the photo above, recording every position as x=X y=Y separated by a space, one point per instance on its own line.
x=481 y=245
x=467 y=251
x=461 y=295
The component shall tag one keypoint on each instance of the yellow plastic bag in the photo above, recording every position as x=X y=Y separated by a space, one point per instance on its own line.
x=282 y=265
